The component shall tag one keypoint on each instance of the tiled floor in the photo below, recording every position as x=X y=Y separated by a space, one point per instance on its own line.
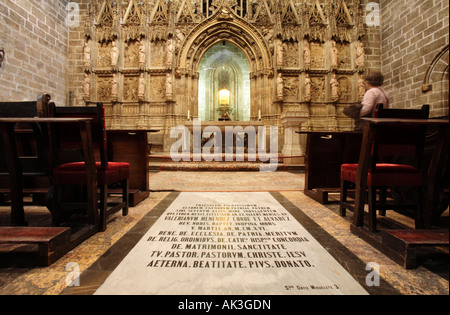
x=429 y=278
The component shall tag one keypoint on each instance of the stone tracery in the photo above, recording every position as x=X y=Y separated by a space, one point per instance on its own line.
x=315 y=47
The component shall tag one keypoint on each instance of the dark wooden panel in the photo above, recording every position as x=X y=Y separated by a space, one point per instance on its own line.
x=131 y=146
x=325 y=153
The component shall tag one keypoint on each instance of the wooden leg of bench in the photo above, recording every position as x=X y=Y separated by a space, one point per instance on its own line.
x=125 y=197
x=383 y=194
x=103 y=207
x=56 y=205
x=49 y=252
x=372 y=209
x=343 y=198
x=410 y=258
x=400 y=250
x=419 y=221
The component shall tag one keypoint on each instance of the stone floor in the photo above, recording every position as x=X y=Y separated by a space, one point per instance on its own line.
x=19 y=276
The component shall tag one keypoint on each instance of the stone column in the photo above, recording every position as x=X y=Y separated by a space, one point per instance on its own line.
x=291 y=122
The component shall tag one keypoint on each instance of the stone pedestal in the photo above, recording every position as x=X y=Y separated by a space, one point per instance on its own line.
x=292 y=121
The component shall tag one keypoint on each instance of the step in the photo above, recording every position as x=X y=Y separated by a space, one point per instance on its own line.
x=223 y=157
x=53 y=242
x=215 y=166
x=401 y=245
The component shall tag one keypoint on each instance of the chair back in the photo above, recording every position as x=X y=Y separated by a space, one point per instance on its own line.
x=392 y=142
x=37 y=108
x=18 y=109
x=381 y=112
x=31 y=140
x=67 y=137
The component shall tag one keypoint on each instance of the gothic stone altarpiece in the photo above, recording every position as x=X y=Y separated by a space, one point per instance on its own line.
x=306 y=60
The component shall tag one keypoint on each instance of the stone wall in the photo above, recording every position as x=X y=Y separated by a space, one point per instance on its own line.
x=372 y=40
x=305 y=57
x=414 y=37
x=33 y=34
x=75 y=69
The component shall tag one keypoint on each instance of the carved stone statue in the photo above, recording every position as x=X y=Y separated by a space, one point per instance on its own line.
x=334 y=88
x=169 y=51
x=114 y=86
x=280 y=54
x=307 y=88
x=361 y=87
x=306 y=54
x=169 y=85
x=334 y=54
x=141 y=53
x=280 y=86
x=114 y=54
x=360 y=55
x=87 y=55
x=141 y=89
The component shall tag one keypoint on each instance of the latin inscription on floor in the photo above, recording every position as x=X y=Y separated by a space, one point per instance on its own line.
x=229 y=243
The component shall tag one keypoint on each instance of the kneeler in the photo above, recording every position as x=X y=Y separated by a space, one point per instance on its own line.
x=72 y=169
x=390 y=143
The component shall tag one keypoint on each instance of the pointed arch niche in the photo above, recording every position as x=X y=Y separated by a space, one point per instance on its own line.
x=245 y=59
x=224 y=66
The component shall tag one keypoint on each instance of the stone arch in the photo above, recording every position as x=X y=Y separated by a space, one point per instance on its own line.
x=226 y=60
x=224 y=25
x=439 y=65
x=435 y=84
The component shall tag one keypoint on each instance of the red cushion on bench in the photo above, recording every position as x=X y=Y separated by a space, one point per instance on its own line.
x=75 y=173
x=385 y=175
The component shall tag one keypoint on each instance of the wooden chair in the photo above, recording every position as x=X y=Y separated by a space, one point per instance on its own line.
x=31 y=142
x=390 y=144
x=70 y=169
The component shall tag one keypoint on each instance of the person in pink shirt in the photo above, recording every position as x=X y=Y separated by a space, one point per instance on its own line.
x=375 y=94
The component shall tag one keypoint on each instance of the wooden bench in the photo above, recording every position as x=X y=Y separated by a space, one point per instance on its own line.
x=401 y=245
x=32 y=149
x=53 y=242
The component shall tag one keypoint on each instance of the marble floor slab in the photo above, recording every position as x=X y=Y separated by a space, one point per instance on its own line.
x=224 y=243
x=226 y=181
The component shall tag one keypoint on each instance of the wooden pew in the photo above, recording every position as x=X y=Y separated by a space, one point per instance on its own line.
x=47 y=238
x=326 y=151
x=402 y=245
x=71 y=171
x=22 y=124
x=132 y=146
x=33 y=150
x=53 y=242
x=399 y=242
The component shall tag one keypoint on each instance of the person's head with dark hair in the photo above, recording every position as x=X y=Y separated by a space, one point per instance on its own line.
x=374 y=79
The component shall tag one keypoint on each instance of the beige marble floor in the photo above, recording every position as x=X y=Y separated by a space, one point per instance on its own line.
x=226 y=181
x=52 y=280
x=417 y=281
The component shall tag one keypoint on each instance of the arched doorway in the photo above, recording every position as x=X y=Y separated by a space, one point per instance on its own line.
x=245 y=41
x=224 y=67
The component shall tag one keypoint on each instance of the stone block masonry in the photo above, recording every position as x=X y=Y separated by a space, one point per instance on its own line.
x=34 y=35
x=413 y=33
x=44 y=54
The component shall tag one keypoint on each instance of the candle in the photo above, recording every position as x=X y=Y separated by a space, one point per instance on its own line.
x=259 y=114
x=189 y=115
